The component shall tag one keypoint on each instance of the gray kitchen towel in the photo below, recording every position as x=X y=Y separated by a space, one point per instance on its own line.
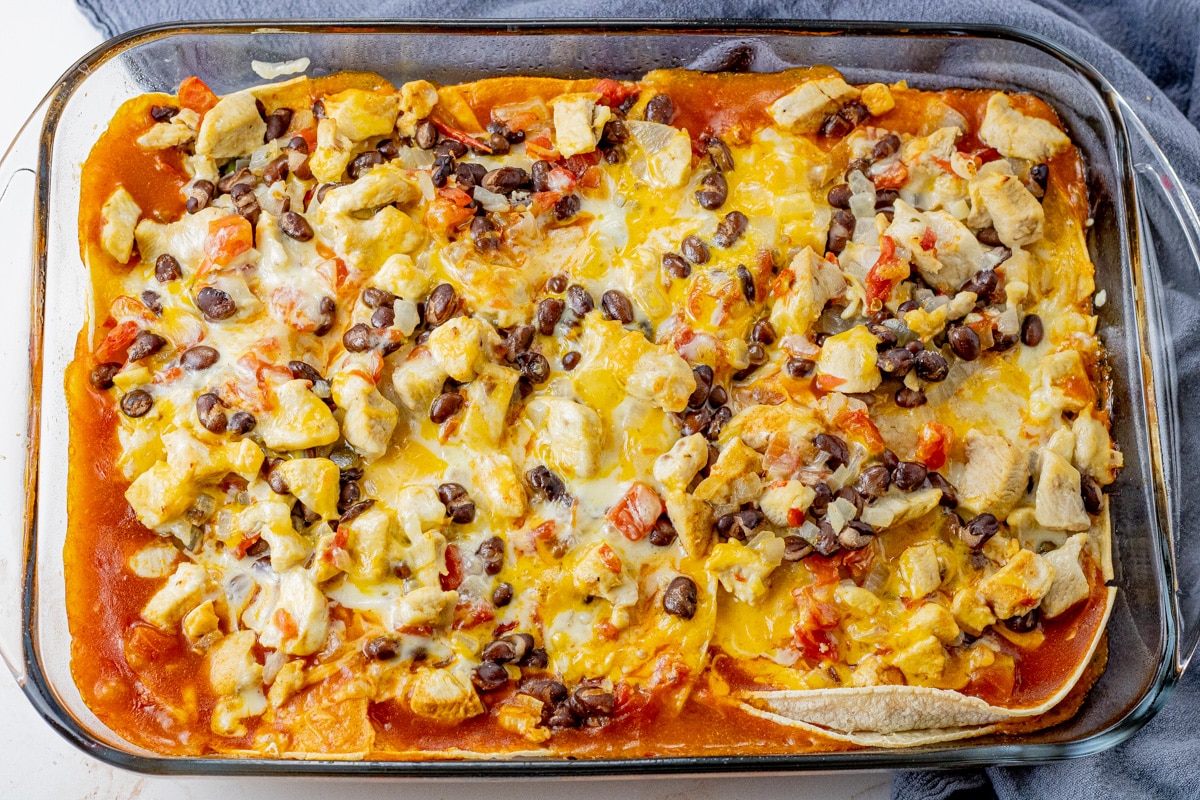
x=1150 y=50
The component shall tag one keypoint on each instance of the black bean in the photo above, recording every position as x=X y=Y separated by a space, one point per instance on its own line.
x=982 y=283
x=837 y=450
x=363 y=162
x=426 y=135
x=703 y=375
x=931 y=365
x=242 y=422
x=886 y=336
x=907 y=306
x=681 y=597
x=324 y=189
x=719 y=154
x=747 y=281
x=518 y=341
x=1032 y=330
x=566 y=207
x=949 y=496
x=915 y=346
x=136 y=403
x=491 y=552
x=200 y=194
x=505 y=180
x=976 y=532
x=757 y=355
x=720 y=418
x=713 y=191
x=355 y=511
x=886 y=147
x=208 y=411
x=663 y=533
x=718 y=397
x=841 y=231
x=358 y=339
x=885 y=198
x=539 y=176
x=694 y=249
x=1093 y=500
x=163 y=113
x=215 y=304
x=549 y=691
x=298 y=145
x=443 y=168
x=676 y=266
x=102 y=374
x=500 y=651
x=468 y=176
x=276 y=171
x=200 y=357
x=835 y=126
x=503 y=595
x=445 y=406
x=295 y=226
x=909 y=475
x=856 y=535
x=852 y=496
x=694 y=421
x=819 y=338
x=442 y=304
x=374 y=297
x=571 y=359
x=1024 y=623
x=820 y=503
x=448 y=492
x=556 y=284
x=485 y=233
x=660 y=109
x=1040 y=174
x=534 y=367
x=964 y=342
x=349 y=494
x=593 y=701
x=383 y=317
x=546 y=483
x=616 y=306
x=145 y=344
x=152 y=301
x=302 y=371
x=242 y=177
x=1004 y=341
x=489 y=676
x=461 y=511
x=382 y=648
x=795 y=548
x=549 y=312
x=579 y=300
x=910 y=398
x=166 y=268
x=799 y=367
x=839 y=196
x=763 y=333
x=989 y=237
x=827 y=539
x=874 y=481
x=388 y=149
x=730 y=229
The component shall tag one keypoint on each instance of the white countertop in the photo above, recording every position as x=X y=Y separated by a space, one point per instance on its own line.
x=39 y=39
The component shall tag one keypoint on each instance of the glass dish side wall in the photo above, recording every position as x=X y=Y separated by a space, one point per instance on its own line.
x=157 y=60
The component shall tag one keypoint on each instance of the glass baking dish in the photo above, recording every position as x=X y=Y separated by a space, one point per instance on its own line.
x=1145 y=242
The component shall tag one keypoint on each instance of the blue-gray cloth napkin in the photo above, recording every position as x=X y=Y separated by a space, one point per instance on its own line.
x=1148 y=49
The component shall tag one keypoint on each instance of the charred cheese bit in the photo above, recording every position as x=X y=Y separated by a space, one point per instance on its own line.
x=676 y=468
x=417 y=99
x=848 y=362
x=1016 y=135
x=314 y=482
x=578 y=122
x=360 y=114
x=231 y=128
x=1070 y=585
x=369 y=417
x=183 y=591
x=1018 y=586
x=804 y=108
x=119 y=217
x=994 y=476
x=1059 y=502
x=300 y=419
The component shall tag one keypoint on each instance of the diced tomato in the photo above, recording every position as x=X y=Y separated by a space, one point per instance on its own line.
x=503 y=628
x=636 y=512
x=541 y=147
x=859 y=562
x=560 y=180
x=858 y=424
x=464 y=138
x=579 y=163
x=468 y=615
x=824 y=570
x=309 y=135
x=117 y=341
x=245 y=544
x=988 y=155
x=933 y=447
x=943 y=163
x=928 y=239
x=828 y=383
x=454 y=569
x=522 y=120
x=287 y=626
x=607 y=631
x=795 y=517
x=168 y=375
x=195 y=94
x=815 y=645
x=609 y=557
x=885 y=273
x=591 y=178
x=333 y=272
x=543 y=202
x=444 y=216
x=613 y=93
x=228 y=237
x=893 y=177
x=455 y=195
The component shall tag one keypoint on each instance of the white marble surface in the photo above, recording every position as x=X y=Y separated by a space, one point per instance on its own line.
x=39 y=39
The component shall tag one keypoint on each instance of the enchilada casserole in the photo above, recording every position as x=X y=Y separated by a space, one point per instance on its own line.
x=698 y=414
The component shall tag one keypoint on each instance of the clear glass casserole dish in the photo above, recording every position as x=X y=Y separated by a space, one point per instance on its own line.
x=1144 y=231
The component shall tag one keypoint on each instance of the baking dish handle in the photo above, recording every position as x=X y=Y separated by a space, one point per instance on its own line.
x=18 y=425
x=1176 y=270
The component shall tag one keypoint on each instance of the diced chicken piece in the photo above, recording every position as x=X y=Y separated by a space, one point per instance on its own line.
x=934 y=618
x=332 y=154
x=994 y=476
x=1094 y=452
x=426 y=605
x=243 y=457
x=119 y=217
x=314 y=482
x=663 y=378
x=184 y=239
x=1018 y=586
x=232 y=667
x=937 y=146
x=301 y=619
x=459 y=346
x=370 y=417
x=368 y=541
x=693 y=521
x=807 y=285
x=1059 y=503
x=877 y=97
x=922 y=661
x=945 y=251
x=361 y=114
x=229 y=711
x=300 y=419
x=488 y=399
x=575 y=435
x=160 y=494
x=578 y=122
x=183 y=591
x=1070 y=584
x=743 y=569
x=599 y=572
x=385 y=184
x=971 y=612
x=1061 y=388
x=856 y=598
x=417 y=99
x=288 y=681
x=896 y=508
x=676 y=468
x=668 y=153
x=873 y=671
x=272 y=520
x=1015 y=212
x=200 y=621
x=522 y=715
x=500 y=488
x=179 y=131
x=785 y=502
x=920 y=571
x=418 y=380
x=155 y=560
x=734 y=478
x=1016 y=135
x=804 y=108
x=400 y=275
x=444 y=696
x=231 y=128
x=848 y=362
x=420 y=510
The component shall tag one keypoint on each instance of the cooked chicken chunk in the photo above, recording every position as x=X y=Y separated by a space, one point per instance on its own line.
x=119 y=217
x=1016 y=135
x=1018 y=586
x=1059 y=502
x=1070 y=584
x=804 y=108
x=994 y=476
x=231 y=128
